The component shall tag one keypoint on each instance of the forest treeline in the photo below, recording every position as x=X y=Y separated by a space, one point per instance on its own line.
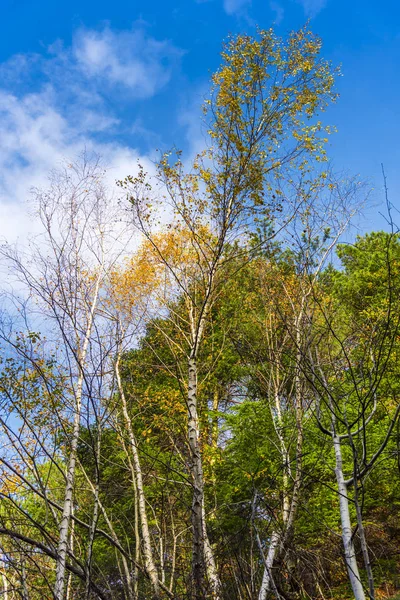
x=199 y=375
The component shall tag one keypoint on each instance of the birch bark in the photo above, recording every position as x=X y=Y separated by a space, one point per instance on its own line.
x=147 y=547
x=349 y=552
x=5 y=586
x=280 y=537
x=62 y=547
x=198 y=563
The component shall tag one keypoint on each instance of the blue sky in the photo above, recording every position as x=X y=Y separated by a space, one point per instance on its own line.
x=124 y=78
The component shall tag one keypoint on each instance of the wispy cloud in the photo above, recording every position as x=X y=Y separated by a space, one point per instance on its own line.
x=312 y=7
x=126 y=58
x=278 y=10
x=235 y=6
x=36 y=138
x=53 y=106
x=195 y=128
x=97 y=62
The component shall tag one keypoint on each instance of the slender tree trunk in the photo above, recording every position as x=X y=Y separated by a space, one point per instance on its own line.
x=276 y=536
x=203 y=562
x=349 y=552
x=71 y=546
x=67 y=508
x=299 y=396
x=128 y=579
x=162 y=566
x=5 y=586
x=214 y=441
x=211 y=567
x=173 y=559
x=198 y=527
x=267 y=580
x=137 y=536
x=147 y=549
x=95 y=518
x=364 y=546
x=279 y=539
x=25 y=594
x=62 y=548
x=360 y=524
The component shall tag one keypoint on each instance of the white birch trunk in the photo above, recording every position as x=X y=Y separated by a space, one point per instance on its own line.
x=62 y=548
x=289 y=508
x=133 y=591
x=5 y=586
x=349 y=552
x=147 y=549
x=211 y=567
x=266 y=583
x=71 y=545
x=95 y=517
x=276 y=535
x=137 y=534
x=364 y=548
x=198 y=526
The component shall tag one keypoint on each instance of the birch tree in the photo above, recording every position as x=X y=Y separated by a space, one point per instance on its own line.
x=348 y=376
x=278 y=330
x=129 y=293
x=63 y=273
x=260 y=113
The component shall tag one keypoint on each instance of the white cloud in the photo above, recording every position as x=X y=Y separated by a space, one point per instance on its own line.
x=67 y=112
x=235 y=6
x=128 y=58
x=36 y=140
x=312 y=7
x=190 y=119
x=278 y=10
x=34 y=137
